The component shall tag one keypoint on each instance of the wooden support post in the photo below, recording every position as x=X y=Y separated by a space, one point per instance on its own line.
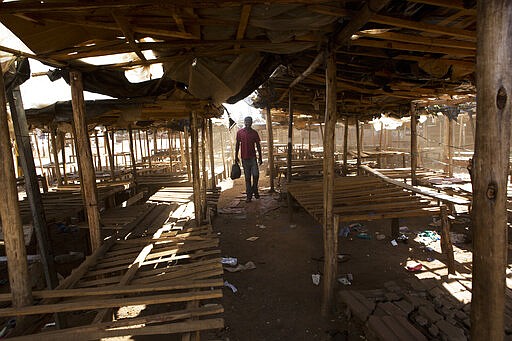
x=187 y=151
x=225 y=172
x=270 y=148
x=132 y=154
x=446 y=244
x=88 y=183
x=56 y=165
x=395 y=228
x=490 y=168
x=196 y=182
x=204 y=183
x=289 y=153
x=10 y=213
x=169 y=147
x=210 y=146
x=62 y=138
x=321 y=133
x=414 y=144
x=472 y=123
x=98 y=154
x=155 y=140
x=309 y=138
x=345 y=147
x=36 y=140
x=450 y=147
x=32 y=185
x=330 y=233
x=110 y=157
x=182 y=151
x=140 y=147
x=148 y=149
x=358 y=142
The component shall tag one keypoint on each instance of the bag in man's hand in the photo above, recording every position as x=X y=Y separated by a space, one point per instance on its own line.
x=236 y=172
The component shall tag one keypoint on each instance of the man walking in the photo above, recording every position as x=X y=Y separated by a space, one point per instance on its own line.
x=247 y=138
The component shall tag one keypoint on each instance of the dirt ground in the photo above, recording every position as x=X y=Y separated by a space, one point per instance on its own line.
x=278 y=300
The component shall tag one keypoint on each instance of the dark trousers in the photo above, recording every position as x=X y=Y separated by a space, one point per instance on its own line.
x=251 y=169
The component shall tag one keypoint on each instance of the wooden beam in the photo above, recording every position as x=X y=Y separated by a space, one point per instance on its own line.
x=490 y=168
x=393 y=45
x=330 y=228
x=423 y=27
x=124 y=25
x=242 y=25
x=270 y=147
x=32 y=186
x=417 y=39
x=345 y=147
x=56 y=166
x=132 y=154
x=187 y=152
x=358 y=143
x=289 y=152
x=212 y=159
x=110 y=156
x=456 y=4
x=62 y=138
x=450 y=147
x=204 y=173
x=10 y=213
x=414 y=144
x=98 y=154
x=88 y=184
x=196 y=178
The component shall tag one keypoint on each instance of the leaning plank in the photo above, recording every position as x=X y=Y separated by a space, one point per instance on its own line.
x=110 y=303
x=426 y=192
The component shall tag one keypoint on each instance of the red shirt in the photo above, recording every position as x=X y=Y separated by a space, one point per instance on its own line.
x=247 y=139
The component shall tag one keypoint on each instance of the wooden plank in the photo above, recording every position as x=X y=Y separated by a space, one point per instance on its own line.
x=414 y=144
x=110 y=303
x=88 y=332
x=196 y=179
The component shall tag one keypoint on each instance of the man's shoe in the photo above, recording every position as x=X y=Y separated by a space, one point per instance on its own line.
x=248 y=200
x=257 y=195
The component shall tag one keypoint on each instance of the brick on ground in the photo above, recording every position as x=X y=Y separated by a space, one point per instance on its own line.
x=393 y=328
x=451 y=333
x=358 y=305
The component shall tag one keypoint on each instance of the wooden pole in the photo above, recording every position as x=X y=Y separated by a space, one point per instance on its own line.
x=62 y=138
x=98 y=154
x=196 y=183
x=414 y=144
x=204 y=173
x=36 y=140
x=139 y=138
x=182 y=152
x=490 y=168
x=309 y=138
x=358 y=142
x=187 y=151
x=322 y=133
x=132 y=154
x=10 y=213
x=88 y=183
x=32 y=185
x=148 y=148
x=450 y=147
x=169 y=147
x=155 y=141
x=109 y=153
x=345 y=147
x=212 y=160
x=330 y=226
x=225 y=173
x=289 y=152
x=56 y=165
x=270 y=147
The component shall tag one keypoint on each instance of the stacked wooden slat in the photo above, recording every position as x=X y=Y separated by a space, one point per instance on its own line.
x=361 y=198
x=153 y=260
